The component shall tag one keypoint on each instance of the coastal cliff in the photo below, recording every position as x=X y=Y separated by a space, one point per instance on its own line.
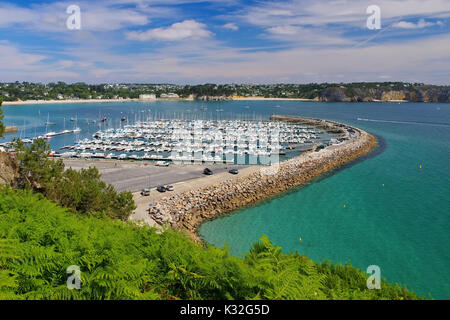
x=187 y=211
x=384 y=94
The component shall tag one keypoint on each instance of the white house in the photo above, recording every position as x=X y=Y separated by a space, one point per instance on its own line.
x=147 y=97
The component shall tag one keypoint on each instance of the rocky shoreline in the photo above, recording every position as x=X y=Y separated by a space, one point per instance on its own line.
x=187 y=211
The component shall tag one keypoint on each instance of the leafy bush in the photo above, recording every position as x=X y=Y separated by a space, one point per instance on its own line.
x=39 y=240
x=80 y=191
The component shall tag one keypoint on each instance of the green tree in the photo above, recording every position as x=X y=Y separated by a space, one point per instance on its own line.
x=36 y=169
x=81 y=191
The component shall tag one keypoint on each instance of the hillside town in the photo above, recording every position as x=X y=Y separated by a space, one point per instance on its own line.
x=329 y=92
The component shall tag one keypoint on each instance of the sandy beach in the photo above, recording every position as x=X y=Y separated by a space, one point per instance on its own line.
x=43 y=102
x=270 y=99
x=31 y=102
x=300 y=99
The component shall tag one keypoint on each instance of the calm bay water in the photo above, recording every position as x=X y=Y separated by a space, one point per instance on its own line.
x=403 y=226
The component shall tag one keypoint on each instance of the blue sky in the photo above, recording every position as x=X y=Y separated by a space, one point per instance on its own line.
x=194 y=41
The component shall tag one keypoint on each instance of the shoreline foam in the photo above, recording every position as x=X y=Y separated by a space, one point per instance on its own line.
x=188 y=210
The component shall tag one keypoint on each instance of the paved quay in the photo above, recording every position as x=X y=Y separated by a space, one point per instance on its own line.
x=135 y=176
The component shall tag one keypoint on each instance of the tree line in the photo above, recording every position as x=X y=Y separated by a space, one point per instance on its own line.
x=79 y=191
x=361 y=91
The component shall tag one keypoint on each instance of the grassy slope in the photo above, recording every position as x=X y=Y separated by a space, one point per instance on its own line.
x=39 y=240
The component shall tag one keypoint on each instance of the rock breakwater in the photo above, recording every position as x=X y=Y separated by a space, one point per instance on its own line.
x=187 y=211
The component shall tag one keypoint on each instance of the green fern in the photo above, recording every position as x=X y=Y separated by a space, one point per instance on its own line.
x=39 y=240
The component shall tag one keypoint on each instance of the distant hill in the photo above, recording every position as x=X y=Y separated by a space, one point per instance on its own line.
x=329 y=92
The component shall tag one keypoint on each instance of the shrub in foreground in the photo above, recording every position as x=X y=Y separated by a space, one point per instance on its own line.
x=80 y=191
x=39 y=240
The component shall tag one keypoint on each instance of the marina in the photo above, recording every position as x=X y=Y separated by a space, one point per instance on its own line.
x=243 y=142
x=212 y=141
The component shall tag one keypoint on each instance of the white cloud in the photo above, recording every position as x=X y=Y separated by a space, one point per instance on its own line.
x=335 y=23
x=52 y=17
x=177 y=31
x=339 y=12
x=18 y=65
x=314 y=50
x=12 y=58
x=231 y=26
x=11 y=15
x=285 y=30
x=105 y=19
x=214 y=62
x=307 y=36
x=411 y=25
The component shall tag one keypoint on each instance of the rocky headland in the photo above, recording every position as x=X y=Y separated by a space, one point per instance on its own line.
x=382 y=94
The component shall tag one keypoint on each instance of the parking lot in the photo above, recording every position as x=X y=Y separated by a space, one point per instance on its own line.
x=135 y=176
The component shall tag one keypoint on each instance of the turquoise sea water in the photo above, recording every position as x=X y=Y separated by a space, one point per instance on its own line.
x=403 y=227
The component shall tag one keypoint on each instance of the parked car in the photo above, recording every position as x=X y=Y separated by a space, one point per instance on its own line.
x=320 y=147
x=169 y=188
x=234 y=171
x=162 y=164
x=145 y=192
x=161 y=189
x=208 y=172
